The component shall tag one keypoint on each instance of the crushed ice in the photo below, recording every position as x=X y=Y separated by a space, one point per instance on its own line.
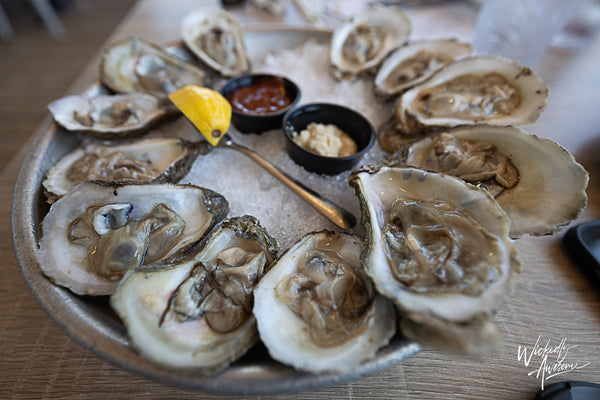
x=251 y=190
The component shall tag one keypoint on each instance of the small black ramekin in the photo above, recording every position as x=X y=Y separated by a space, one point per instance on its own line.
x=351 y=122
x=258 y=123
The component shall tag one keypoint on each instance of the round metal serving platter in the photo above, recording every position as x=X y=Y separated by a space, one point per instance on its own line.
x=93 y=324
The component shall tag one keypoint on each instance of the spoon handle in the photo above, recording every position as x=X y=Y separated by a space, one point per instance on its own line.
x=333 y=212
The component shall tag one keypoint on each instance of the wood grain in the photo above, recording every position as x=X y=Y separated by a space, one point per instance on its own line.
x=36 y=69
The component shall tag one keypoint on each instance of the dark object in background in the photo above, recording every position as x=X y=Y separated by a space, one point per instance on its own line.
x=231 y=2
x=570 y=390
x=582 y=243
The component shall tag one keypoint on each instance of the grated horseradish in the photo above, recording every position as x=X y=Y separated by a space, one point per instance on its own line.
x=326 y=140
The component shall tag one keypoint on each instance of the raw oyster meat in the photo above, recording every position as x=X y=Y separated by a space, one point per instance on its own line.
x=215 y=37
x=195 y=312
x=439 y=248
x=96 y=232
x=472 y=90
x=156 y=160
x=415 y=62
x=536 y=181
x=107 y=116
x=360 y=44
x=316 y=309
x=135 y=65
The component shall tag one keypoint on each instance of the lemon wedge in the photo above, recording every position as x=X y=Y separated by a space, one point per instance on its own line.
x=207 y=109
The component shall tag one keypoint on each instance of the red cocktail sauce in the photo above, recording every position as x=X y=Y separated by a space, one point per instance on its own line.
x=264 y=97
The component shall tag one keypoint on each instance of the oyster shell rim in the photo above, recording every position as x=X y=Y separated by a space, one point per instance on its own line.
x=409 y=307
x=228 y=72
x=173 y=173
x=245 y=336
x=159 y=113
x=390 y=63
x=214 y=203
x=114 y=85
x=494 y=135
x=380 y=306
x=410 y=121
x=338 y=69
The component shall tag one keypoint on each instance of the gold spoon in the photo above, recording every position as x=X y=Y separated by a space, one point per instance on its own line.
x=210 y=113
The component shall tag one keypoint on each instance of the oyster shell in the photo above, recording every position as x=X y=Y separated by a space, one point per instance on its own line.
x=135 y=65
x=317 y=311
x=439 y=248
x=195 y=312
x=472 y=90
x=215 y=37
x=360 y=44
x=107 y=116
x=156 y=160
x=415 y=62
x=96 y=232
x=536 y=181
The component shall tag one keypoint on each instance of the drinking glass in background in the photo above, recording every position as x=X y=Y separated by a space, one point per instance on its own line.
x=581 y=28
x=521 y=30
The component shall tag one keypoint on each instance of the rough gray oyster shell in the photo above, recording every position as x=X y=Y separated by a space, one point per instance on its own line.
x=194 y=312
x=96 y=232
x=154 y=160
x=439 y=248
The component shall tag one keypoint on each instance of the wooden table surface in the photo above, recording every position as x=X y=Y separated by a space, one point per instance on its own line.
x=553 y=303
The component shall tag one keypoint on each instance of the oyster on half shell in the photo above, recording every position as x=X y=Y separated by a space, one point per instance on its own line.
x=156 y=160
x=535 y=180
x=472 y=90
x=439 y=248
x=96 y=232
x=316 y=309
x=360 y=44
x=194 y=312
x=415 y=62
x=136 y=65
x=215 y=37
x=107 y=116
